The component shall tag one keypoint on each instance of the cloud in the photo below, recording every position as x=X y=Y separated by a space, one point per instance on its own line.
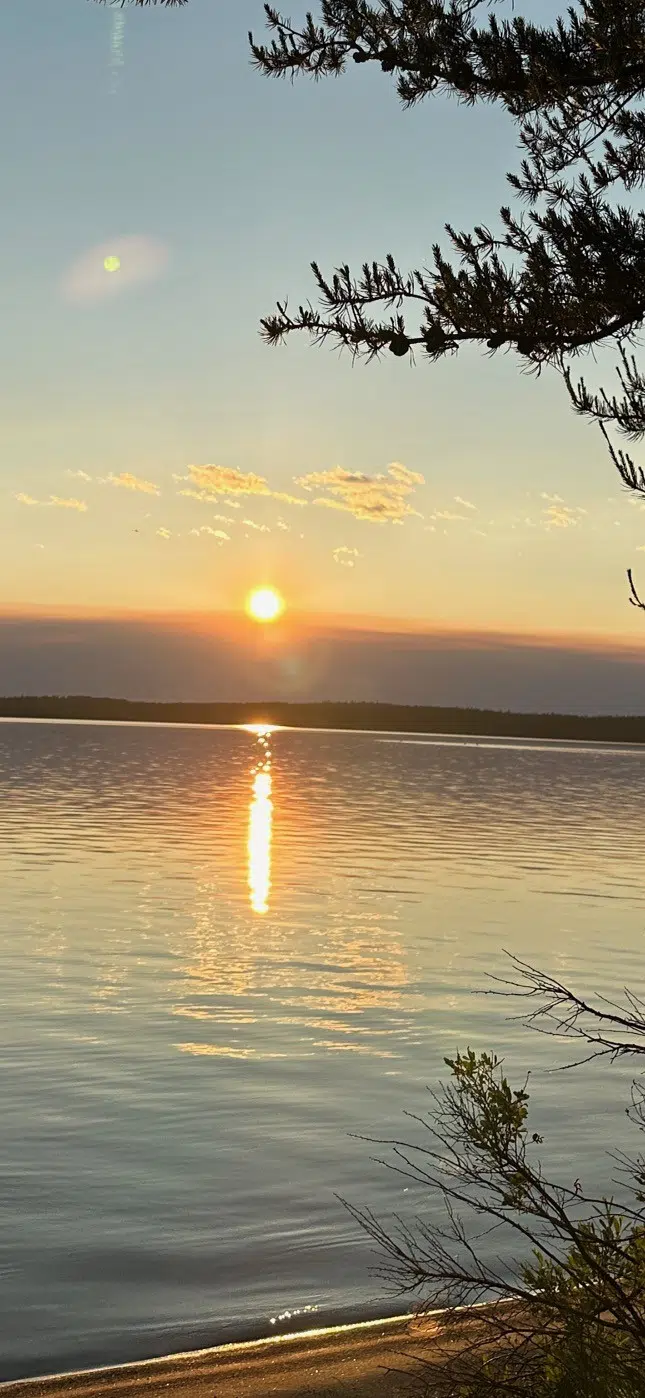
x=226 y=519
x=164 y=533
x=206 y=497
x=130 y=482
x=56 y=500
x=447 y=514
x=345 y=556
x=67 y=504
x=459 y=500
x=560 y=516
x=282 y=525
x=215 y=533
x=554 y=499
x=78 y=475
x=380 y=499
x=262 y=528
x=208 y=482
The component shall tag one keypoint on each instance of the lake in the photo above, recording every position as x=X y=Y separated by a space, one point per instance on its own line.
x=224 y=951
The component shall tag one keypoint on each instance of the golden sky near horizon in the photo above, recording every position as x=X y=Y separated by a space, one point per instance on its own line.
x=336 y=543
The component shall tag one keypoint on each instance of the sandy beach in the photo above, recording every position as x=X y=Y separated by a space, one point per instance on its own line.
x=344 y=1360
x=370 y=1359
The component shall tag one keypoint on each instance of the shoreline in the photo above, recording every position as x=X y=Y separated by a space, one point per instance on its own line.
x=361 y=1359
x=327 y=716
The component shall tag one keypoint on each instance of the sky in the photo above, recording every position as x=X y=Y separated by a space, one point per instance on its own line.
x=158 y=461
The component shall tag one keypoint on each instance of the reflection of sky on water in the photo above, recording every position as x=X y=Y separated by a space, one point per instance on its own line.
x=213 y=980
x=299 y=893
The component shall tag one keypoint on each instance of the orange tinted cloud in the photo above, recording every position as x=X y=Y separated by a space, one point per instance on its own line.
x=345 y=556
x=561 y=516
x=380 y=499
x=215 y=533
x=67 y=504
x=209 y=482
x=56 y=500
x=130 y=482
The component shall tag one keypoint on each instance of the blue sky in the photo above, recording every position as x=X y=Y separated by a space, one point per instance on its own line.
x=241 y=181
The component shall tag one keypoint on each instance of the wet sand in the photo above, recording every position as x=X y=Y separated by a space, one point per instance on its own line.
x=372 y=1359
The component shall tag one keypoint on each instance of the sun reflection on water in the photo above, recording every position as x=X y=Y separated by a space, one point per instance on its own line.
x=260 y=826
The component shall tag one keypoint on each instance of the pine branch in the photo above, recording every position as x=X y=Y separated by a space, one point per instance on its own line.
x=552 y=286
x=435 y=45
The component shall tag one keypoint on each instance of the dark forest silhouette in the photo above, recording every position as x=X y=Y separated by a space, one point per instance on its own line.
x=350 y=715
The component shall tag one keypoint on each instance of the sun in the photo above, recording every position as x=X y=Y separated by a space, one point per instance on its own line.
x=264 y=604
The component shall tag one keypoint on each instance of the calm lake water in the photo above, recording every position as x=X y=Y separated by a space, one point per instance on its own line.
x=221 y=953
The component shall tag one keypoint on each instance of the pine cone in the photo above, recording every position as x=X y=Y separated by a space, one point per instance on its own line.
x=399 y=345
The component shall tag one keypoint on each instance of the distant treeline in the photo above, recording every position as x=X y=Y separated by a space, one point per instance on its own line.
x=392 y=718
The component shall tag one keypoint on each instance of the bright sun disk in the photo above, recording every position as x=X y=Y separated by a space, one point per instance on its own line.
x=264 y=604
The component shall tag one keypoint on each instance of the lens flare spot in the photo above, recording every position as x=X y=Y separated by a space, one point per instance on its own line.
x=137 y=259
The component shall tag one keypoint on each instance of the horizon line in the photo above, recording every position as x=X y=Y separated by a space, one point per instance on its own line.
x=68 y=698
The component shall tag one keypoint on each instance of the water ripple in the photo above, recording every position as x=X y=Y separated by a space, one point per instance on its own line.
x=221 y=953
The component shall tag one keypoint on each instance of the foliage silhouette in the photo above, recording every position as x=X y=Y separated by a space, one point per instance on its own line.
x=560 y=278
x=570 y=1323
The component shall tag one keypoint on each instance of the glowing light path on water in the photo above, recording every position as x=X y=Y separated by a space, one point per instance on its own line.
x=260 y=829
